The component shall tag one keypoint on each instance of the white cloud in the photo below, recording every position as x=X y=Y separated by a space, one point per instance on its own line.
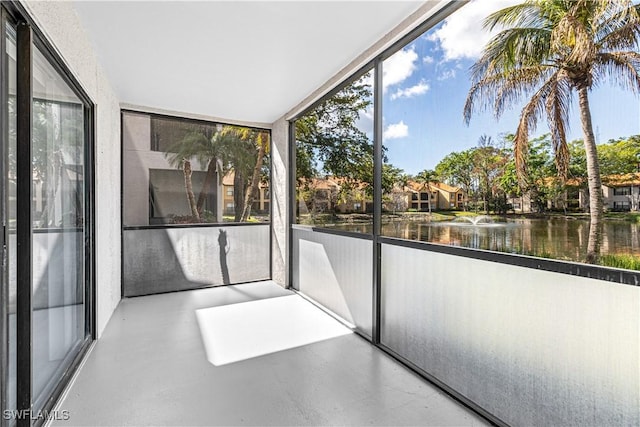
x=409 y=92
x=365 y=123
x=428 y=59
x=399 y=67
x=447 y=74
x=461 y=35
x=368 y=113
x=396 y=130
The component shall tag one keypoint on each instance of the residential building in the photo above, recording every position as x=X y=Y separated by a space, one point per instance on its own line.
x=622 y=192
x=261 y=199
x=441 y=196
x=450 y=197
x=333 y=194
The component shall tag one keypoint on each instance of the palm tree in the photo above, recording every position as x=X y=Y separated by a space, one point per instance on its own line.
x=205 y=145
x=261 y=141
x=188 y=185
x=547 y=50
x=245 y=150
x=426 y=177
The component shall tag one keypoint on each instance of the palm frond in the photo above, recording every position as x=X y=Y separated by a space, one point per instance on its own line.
x=620 y=68
x=525 y=14
x=557 y=108
x=519 y=84
x=514 y=47
x=531 y=113
x=502 y=90
x=186 y=148
x=620 y=30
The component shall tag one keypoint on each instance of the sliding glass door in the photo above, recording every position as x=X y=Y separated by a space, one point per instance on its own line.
x=58 y=214
x=9 y=211
x=46 y=207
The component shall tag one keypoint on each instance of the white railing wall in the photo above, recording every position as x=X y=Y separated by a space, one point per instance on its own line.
x=337 y=272
x=165 y=259
x=531 y=347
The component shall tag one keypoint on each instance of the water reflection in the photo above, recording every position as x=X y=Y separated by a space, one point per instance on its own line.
x=557 y=238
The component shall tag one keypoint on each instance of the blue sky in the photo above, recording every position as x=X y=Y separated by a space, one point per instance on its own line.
x=425 y=87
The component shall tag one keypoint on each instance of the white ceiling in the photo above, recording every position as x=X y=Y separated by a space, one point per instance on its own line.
x=236 y=60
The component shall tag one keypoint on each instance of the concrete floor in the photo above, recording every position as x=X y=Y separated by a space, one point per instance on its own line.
x=151 y=368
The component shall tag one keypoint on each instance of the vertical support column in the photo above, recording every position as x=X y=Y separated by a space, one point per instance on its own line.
x=377 y=197
x=90 y=223
x=279 y=203
x=24 y=226
x=4 y=282
x=292 y=199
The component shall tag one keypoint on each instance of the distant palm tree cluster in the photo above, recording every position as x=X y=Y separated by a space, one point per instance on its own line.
x=221 y=150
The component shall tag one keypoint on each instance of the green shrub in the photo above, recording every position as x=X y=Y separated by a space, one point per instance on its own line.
x=625 y=261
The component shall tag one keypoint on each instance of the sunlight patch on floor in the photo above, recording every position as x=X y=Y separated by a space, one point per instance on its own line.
x=236 y=332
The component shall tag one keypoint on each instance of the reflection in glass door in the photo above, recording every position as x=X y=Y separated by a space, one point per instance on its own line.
x=8 y=191
x=58 y=215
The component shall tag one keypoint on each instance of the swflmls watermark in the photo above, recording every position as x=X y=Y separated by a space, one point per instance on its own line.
x=28 y=414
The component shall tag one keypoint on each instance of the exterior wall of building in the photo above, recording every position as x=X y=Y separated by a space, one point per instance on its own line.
x=62 y=27
x=444 y=199
x=520 y=204
x=138 y=161
x=625 y=198
x=260 y=203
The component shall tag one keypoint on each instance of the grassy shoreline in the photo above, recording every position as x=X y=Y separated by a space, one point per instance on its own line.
x=626 y=261
x=436 y=216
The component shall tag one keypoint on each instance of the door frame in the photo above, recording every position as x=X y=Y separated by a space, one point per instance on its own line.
x=29 y=37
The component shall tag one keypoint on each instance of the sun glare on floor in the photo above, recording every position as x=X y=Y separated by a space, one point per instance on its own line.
x=236 y=332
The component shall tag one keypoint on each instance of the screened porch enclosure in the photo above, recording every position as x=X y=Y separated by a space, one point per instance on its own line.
x=320 y=213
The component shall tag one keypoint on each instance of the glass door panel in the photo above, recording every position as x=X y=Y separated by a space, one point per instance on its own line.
x=58 y=212
x=9 y=188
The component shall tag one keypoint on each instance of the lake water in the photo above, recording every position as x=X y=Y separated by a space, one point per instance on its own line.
x=557 y=238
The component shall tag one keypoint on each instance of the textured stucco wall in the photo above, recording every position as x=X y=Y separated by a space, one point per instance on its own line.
x=280 y=159
x=62 y=27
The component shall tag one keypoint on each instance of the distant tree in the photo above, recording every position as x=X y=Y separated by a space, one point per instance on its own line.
x=57 y=136
x=244 y=153
x=457 y=169
x=489 y=162
x=257 y=146
x=577 y=160
x=329 y=140
x=392 y=177
x=619 y=156
x=221 y=150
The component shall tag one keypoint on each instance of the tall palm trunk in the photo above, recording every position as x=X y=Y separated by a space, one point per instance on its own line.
x=593 y=175
x=188 y=186
x=429 y=198
x=253 y=186
x=211 y=170
x=238 y=195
